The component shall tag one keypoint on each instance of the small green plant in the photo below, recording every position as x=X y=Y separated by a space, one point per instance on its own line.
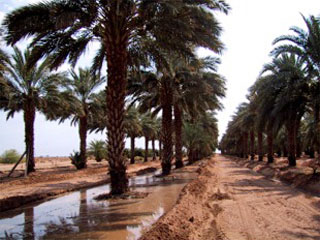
x=76 y=160
x=10 y=156
x=98 y=149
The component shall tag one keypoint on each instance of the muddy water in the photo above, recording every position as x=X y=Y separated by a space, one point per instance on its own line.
x=79 y=216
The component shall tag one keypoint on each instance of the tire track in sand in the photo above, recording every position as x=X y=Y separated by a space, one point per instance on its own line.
x=260 y=209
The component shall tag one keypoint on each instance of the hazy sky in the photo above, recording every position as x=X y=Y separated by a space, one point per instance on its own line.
x=249 y=30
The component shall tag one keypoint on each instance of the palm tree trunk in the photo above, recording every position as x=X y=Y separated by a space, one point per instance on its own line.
x=166 y=102
x=240 y=147
x=191 y=156
x=160 y=149
x=291 y=143
x=317 y=120
x=83 y=128
x=298 y=148
x=117 y=58
x=285 y=151
x=154 y=157
x=29 y=118
x=178 y=135
x=146 y=149
x=252 y=144
x=311 y=152
x=270 y=143
x=297 y=137
x=245 y=145
x=132 y=150
x=260 y=146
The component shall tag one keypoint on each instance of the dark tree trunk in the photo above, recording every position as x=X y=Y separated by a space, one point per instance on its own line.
x=178 y=135
x=117 y=58
x=298 y=148
x=239 y=147
x=83 y=128
x=252 y=145
x=166 y=102
x=260 y=146
x=317 y=119
x=132 y=150
x=311 y=152
x=146 y=151
x=29 y=118
x=291 y=143
x=160 y=149
x=245 y=145
x=154 y=156
x=297 y=138
x=270 y=143
x=285 y=151
x=191 y=158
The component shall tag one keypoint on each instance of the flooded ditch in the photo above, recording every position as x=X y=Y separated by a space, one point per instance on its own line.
x=79 y=216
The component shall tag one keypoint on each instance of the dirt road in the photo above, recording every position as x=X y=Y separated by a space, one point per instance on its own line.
x=260 y=208
x=229 y=202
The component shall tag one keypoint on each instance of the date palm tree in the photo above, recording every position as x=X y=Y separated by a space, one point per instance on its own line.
x=148 y=128
x=97 y=149
x=120 y=27
x=290 y=102
x=306 y=44
x=30 y=90
x=133 y=127
x=195 y=91
x=183 y=85
x=200 y=136
x=4 y=60
x=82 y=86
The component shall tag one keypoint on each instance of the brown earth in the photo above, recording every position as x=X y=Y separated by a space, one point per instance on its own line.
x=306 y=175
x=55 y=176
x=228 y=201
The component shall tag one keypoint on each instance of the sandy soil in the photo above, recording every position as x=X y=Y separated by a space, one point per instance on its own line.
x=301 y=176
x=55 y=176
x=228 y=201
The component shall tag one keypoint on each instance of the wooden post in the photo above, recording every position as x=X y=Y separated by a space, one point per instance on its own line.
x=14 y=167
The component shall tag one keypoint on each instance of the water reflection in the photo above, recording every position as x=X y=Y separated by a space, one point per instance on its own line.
x=28 y=224
x=137 y=231
x=79 y=216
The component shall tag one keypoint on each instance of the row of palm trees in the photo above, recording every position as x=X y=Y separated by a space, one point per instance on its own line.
x=139 y=40
x=283 y=105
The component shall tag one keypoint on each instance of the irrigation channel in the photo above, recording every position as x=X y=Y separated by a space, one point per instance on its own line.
x=78 y=215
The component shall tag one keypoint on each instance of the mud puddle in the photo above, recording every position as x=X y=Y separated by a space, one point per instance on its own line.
x=78 y=216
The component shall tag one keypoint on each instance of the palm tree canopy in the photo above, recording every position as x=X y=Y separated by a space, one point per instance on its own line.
x=37 y=84
x=190 y=79
x=306 y=44
x=67 y=26
x=290 y=74
x=133 y=125
x=82 y=86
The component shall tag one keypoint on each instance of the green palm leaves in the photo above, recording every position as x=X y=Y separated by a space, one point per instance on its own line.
x=285 y=95
x=82 y=87
x=30 y=90
x=130 y=33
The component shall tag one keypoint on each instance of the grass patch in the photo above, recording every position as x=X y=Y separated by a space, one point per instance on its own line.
x=10 y=156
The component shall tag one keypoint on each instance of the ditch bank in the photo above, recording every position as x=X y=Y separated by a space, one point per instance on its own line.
x=16 y=196
x=194 y=215
x=303 y=177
